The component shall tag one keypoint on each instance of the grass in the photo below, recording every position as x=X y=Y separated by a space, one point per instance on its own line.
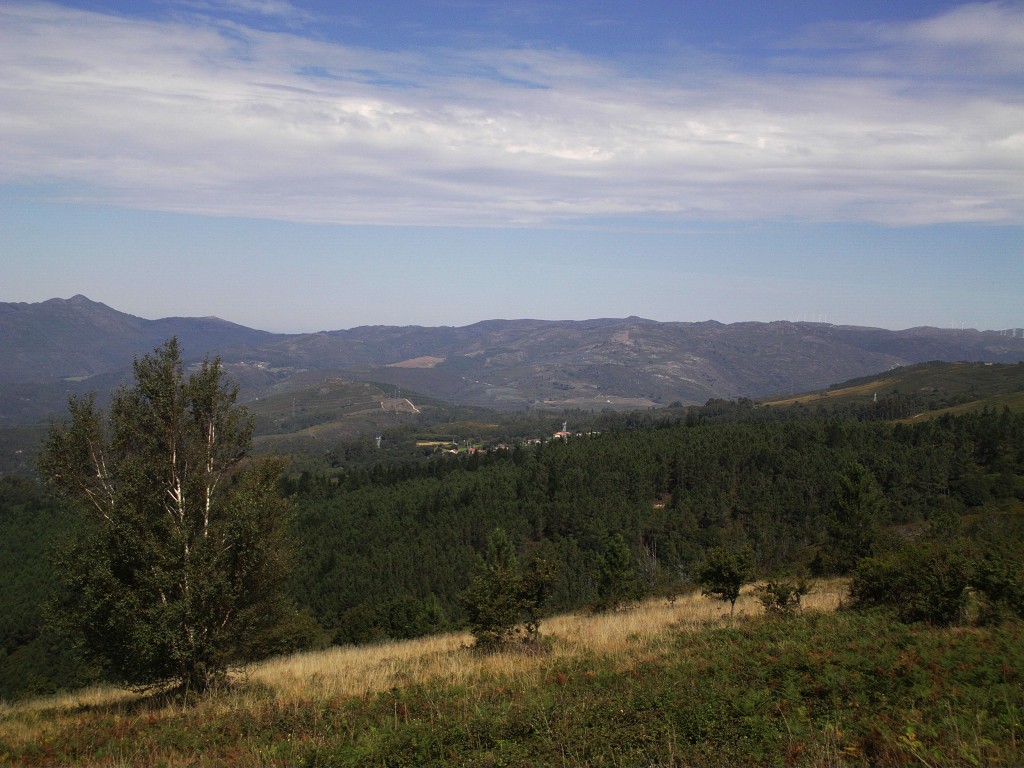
x=658 y=684
x=937 y=387
x=858 y=391
x=362 y=670
x=1014 y=401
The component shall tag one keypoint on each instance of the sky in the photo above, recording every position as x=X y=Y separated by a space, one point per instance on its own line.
x=304 y=165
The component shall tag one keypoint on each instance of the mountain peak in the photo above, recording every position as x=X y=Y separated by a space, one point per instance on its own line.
x=78 y=300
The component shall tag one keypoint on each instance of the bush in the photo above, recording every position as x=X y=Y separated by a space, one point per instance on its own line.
x=1000 y=588
x=921 y=583
x=782 y=596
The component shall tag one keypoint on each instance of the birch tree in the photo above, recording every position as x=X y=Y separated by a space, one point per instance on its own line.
x=178 y=570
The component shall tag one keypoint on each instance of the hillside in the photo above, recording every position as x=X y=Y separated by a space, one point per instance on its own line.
x=388 y=552
x=385 y=548
x=920 y=391
x=61 y=347
x=656 y=685
x=628 y=363
x=77 y=338
x=318 y=410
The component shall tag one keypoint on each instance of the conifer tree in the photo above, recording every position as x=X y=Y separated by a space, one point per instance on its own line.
x=618 y=581
x=505 y=601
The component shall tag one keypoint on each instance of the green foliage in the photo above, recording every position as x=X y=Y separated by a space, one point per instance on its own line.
x=724 y=572
x=387 y=548
x=32 y=659
x=504 y=601
x=781 y=596
x=619 y=582
x=860 y=509
x=999 y=584
x=792 y=489
x=922 y=582
x=177 y=571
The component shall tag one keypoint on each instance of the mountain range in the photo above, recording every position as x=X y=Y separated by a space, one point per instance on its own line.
x=58 y=347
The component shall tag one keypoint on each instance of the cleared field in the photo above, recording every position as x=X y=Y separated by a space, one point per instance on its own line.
x=658 y=684
x=860 y=390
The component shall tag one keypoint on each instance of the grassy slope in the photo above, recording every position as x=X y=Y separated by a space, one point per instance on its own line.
x=973 y=386
x=655 y=685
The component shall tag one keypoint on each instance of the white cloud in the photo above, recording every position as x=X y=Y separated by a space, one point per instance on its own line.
x=216 y=118
x=280 y=9
x=996 y=28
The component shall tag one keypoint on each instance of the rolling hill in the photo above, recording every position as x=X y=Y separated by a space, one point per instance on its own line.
x=60 y=347
x=926 y=390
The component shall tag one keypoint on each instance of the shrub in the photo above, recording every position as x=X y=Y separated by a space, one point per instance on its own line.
x=782 y=596
x=1000 y=589
x=921 y=583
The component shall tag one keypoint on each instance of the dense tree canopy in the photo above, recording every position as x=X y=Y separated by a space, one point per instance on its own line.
x=810 y=493
x=391 y=551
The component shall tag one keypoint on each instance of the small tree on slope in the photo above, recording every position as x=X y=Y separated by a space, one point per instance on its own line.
x=724 y=572
x=505 y=601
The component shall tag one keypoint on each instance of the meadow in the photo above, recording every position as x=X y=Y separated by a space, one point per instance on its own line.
x=658 y=683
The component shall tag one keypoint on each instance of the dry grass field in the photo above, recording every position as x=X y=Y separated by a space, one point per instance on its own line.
x=355 y=671
x=360 y=670
x=659 y=683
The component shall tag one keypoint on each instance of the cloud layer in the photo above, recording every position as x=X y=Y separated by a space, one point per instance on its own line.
x=908 y=123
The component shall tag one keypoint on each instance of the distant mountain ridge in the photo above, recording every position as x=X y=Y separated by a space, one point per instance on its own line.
x=77 y=337
x=57 y=347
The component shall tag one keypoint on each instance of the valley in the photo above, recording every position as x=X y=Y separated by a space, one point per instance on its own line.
x=860 y=491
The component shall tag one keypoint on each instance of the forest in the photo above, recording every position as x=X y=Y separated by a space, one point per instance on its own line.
x=387 y=550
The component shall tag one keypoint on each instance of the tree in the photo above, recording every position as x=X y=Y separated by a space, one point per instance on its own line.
x=177 y=573
x=618 y=581
x=860 y=509
x=723 y=573
x=504 y=601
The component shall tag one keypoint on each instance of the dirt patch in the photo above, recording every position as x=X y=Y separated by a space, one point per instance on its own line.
x=425 y=361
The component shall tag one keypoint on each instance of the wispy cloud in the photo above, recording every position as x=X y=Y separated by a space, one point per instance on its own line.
x=220 y=118
x=277 y=9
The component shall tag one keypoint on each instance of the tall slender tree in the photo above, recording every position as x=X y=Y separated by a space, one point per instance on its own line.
x=178 y=571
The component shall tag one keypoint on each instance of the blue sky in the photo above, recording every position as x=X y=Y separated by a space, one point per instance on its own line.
x=301 y=166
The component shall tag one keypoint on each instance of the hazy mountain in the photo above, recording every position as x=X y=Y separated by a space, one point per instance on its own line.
x=59 y=346
x=76 y=337
x=627 y=362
